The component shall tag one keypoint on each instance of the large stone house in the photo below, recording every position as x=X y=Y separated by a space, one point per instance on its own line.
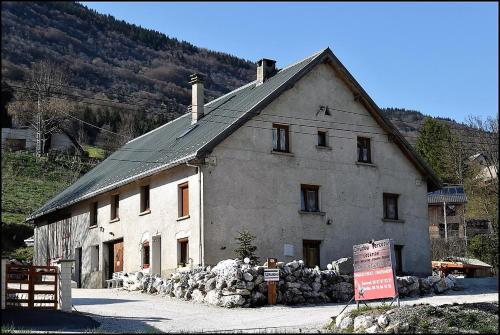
x=301 y=157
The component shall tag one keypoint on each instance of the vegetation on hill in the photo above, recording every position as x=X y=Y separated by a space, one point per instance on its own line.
x=27 y=183
x=120 y=70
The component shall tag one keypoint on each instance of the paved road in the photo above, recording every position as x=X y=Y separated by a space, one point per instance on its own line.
x=123 y=311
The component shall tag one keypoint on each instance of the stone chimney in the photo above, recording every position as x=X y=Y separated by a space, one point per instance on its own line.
x=266 y=68
x=197 y=97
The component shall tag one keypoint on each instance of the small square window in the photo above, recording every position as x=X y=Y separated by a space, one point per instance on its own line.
x=390 y=206
x=115 y=207
x=145 y=255
x=144 y=198
x=183 y=251
x=451 y=210
x=93 y=214
x=364 y=150
x=183 y=200
x=309 y=200
x=322 y=138
x=281 y=138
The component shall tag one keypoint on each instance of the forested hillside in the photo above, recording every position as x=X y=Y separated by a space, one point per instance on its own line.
x=113 y=60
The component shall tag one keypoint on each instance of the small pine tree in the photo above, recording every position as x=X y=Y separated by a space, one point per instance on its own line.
x=245 y=247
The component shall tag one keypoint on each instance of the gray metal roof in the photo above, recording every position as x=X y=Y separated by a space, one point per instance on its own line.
x=449 y=194
x=178 y=141
x=173 y=143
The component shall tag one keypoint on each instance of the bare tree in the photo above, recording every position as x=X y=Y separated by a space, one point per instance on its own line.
x=39 y=104
x=485 y=142
x=482 y=188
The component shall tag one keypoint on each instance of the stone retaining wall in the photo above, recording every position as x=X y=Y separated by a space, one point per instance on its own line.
x=231 y=284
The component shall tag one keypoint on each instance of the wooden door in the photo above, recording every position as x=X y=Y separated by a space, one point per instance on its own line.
x=118 y=257
x=311 y=253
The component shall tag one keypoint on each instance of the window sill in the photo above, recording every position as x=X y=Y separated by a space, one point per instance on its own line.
x=147 y=211
x=313 y=213
x=92 y=227
x=366 y=164
x=183 y=217
x=392 y=220
x=114 y=220
x=282 y=153
x=323 y=147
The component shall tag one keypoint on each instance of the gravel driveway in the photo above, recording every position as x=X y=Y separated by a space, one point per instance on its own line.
x=122 y=311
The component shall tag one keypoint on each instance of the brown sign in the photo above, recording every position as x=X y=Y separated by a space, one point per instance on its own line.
x=374 y=270
x=271 y=285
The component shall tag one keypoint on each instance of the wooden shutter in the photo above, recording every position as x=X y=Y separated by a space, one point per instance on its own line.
x=185 y=200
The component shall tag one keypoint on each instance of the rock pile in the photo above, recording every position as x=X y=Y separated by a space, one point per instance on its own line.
x=371 y=323
x=411 y=286
x=231 y=284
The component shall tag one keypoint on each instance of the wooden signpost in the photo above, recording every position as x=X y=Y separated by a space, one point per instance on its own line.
x=271 y=275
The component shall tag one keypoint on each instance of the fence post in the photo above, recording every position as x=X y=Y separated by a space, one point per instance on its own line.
x=4 y=281
x=64 y=295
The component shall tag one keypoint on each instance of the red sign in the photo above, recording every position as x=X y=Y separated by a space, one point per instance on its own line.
x=374 y=270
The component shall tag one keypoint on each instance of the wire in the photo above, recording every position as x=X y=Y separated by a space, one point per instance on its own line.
x=458 y=128
x=297 y=124
x=266 y=128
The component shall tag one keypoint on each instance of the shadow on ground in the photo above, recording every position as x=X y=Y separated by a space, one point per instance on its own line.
x=97 y=301
x=126 y=324
x=47 y=320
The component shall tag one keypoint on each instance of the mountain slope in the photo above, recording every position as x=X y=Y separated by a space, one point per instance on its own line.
x=111 y=58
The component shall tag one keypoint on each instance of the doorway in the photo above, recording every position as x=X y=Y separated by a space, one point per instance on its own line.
x=78 y=267
x=115 y=258
x=311 y=253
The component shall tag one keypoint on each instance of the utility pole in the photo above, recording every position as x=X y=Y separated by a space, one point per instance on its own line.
x=445 y=224
x=39 y=128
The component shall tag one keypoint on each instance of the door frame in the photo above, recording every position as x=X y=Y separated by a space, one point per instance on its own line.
x=109 y=263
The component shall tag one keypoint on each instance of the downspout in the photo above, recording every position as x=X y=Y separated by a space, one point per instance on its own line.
x=200 y=214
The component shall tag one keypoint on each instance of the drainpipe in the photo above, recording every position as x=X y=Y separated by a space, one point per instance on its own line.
x=200 y=213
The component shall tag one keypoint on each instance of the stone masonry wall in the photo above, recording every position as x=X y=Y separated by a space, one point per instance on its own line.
x=232 y=284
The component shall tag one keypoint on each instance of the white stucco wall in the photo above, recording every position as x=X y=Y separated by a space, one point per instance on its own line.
x=252 y=188
x=132 y=227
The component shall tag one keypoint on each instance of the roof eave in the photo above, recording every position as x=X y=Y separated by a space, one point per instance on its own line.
x=111 y=187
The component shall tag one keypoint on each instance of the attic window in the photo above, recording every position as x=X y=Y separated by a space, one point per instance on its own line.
x=187 y=131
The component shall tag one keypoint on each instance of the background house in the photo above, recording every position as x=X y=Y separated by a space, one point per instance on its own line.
x=24 y=138
x=447 y=209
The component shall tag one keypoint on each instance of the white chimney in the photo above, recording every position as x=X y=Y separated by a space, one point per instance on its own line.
x=265 y=69
x=197 y=97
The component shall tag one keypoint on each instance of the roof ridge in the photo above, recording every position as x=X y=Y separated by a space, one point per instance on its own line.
x=157 y=128
x=314 y=55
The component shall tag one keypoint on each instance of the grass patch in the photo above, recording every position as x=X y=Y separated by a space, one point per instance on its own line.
x=95 y=152
x=27 y=183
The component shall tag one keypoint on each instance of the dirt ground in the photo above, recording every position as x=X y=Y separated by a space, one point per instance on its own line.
x=122 y=311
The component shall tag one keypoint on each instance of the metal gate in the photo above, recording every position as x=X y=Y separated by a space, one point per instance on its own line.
x=31 y=286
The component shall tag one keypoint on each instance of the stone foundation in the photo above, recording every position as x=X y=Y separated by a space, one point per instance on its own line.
x=232 y=284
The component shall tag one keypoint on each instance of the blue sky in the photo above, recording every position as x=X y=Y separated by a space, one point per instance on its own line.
x=438 y=58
